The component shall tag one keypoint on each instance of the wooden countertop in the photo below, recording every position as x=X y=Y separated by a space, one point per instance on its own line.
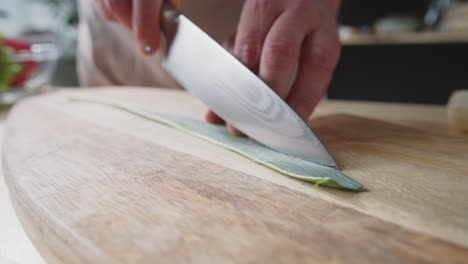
x=407 y=38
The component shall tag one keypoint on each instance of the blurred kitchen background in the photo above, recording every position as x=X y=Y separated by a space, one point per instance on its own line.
x=396 y=50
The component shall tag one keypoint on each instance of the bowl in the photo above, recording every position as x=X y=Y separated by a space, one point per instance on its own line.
x=38 y=62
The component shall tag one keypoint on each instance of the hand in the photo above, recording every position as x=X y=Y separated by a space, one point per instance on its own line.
x=275 y=36
x=139 y=16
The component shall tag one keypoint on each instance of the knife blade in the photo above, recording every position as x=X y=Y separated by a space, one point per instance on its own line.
x=233 y=92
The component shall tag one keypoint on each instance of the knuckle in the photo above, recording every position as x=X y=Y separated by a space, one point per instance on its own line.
x=325 y=58
x=278 y=52
x=302 y=5
x=261 y=5
x=248 y=51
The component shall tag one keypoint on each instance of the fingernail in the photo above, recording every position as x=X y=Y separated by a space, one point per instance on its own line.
x=148 y=49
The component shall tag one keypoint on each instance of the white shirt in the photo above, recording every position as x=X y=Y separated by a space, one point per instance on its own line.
x=108 y=54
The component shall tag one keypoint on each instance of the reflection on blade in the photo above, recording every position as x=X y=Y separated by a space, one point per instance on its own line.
x=237 y=95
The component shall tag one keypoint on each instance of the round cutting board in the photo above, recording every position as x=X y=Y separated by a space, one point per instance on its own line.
x=92 y=184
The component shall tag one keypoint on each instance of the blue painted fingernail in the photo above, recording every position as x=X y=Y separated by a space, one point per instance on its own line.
x=147 y=49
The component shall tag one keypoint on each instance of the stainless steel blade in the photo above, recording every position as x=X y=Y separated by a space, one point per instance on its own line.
x=232 y=91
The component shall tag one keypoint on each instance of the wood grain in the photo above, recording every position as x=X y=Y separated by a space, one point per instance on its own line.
x=94 y=185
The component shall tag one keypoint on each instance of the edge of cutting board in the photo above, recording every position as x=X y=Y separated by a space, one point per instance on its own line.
x=60 y=243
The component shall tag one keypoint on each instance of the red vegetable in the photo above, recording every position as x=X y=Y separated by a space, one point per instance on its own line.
x=27 y=67
x=17 y=45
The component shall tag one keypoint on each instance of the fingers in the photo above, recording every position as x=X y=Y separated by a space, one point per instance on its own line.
x=105 y=10
x=335 y=5
x=319 y=57
x=229 y=44
x=234 y=131
x=140 y=16
x=117 y=11
x=256 y=20
x=212 y=118
x=146 y=24
x=281 y=52
x=177 y=4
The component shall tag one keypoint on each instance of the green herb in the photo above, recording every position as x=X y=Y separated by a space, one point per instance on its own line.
x=8 y=69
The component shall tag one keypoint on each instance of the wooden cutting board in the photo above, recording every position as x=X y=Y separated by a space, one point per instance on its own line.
x=92 y=184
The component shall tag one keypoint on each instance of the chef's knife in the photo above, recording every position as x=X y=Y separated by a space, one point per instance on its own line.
x=233 y=92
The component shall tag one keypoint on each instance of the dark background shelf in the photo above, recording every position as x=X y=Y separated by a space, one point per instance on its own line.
x=416 y=73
